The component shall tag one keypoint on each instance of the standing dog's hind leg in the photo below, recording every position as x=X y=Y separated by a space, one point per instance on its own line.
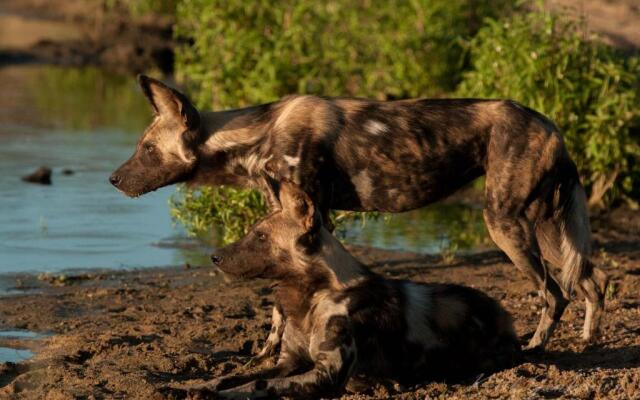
x=577 y=268
x=593 y=286
x=515 y=236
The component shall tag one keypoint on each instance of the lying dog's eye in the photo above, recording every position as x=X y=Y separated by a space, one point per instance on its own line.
x=262 y=236
x=148 y=148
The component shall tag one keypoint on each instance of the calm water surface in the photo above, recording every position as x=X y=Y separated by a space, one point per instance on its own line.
x=88 y=121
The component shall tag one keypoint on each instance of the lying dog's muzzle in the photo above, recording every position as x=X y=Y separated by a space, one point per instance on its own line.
x=217 y=260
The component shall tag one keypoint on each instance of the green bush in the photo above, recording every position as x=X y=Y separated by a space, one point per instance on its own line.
x=138 y=8
x=239 y=52
x=587 y=88
x=236 y=53
x=225 y=214
x=207 y=210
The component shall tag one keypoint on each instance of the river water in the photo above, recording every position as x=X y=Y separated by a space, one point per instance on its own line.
x=88 y=121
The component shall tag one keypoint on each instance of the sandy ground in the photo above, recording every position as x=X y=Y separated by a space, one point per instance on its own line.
x=126 y=335
x=616 y=21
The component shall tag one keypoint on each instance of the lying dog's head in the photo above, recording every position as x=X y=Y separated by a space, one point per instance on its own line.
x=166 y=153
x=275 y=244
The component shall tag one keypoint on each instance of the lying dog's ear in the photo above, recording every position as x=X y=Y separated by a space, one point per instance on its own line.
x=272 y=187
x=167 y=101
x=298 y=205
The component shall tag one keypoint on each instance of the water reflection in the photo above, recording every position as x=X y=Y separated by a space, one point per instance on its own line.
x=434 y=229
x=88 y=121
x=84 y=99
x=8 y=354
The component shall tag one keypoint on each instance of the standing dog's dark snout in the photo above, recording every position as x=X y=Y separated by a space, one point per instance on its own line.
x=217 y=260
x=115 y=179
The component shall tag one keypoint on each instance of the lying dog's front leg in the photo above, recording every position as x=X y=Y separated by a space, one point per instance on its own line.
x=235 y=379
x=322 y=380
x=275 y=336
x=333 y=352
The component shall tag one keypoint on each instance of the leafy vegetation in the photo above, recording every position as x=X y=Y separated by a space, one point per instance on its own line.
x=587 y=88
x=237 y=53
x=137 y=8
x=229 y=211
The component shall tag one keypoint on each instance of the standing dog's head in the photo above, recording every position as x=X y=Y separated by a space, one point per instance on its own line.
x=275 y=244
x=166 y=153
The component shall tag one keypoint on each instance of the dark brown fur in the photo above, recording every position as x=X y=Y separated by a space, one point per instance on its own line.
x=343 y=320
x=354 y=154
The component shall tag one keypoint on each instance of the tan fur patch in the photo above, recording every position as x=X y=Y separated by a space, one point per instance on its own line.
x=229 y=129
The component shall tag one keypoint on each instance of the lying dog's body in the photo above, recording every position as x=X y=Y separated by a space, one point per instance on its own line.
x=343 y=320
x=395 y=156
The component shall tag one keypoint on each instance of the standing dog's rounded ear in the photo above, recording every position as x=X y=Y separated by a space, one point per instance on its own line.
x=297 y=204
x=167 y=101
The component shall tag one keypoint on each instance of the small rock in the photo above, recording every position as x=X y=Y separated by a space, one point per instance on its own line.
x=42 y=176
x=68 y=171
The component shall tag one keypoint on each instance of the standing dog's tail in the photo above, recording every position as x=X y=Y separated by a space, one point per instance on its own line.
x=575 y=239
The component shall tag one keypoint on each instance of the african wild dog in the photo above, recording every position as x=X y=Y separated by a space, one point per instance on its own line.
x=355 y=154
x=343 y=320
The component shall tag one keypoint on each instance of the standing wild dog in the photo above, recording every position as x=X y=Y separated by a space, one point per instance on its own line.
x=343 y=320
x=353 y=154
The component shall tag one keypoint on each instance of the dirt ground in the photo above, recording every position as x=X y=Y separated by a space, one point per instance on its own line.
x=126 y=335
x=84 y=32
x=616 y=21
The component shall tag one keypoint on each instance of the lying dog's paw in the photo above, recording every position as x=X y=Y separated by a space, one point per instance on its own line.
x=188 y=391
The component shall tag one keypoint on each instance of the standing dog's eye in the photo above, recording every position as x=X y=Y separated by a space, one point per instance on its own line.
x=148 y=148
x=262 y=236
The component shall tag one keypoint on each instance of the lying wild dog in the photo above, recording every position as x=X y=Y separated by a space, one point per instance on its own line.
x=354 y=154
x=343 y=320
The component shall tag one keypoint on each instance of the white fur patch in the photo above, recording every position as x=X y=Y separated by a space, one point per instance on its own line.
x=576 y=243
x=227 y=139
x=328 y=308
x=375 y=127
x=287 y=111
x=363 y=184
x=292 y=161
x=417 y=310
x=254 y=163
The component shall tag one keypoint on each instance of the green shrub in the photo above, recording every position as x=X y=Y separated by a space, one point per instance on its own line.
x=138 y=8
x=225 y=214
x=587 y=88
x=237 y=53
x=207 y=210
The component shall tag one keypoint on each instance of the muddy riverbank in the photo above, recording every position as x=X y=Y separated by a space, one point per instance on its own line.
x=85 y=32
x=128 y=334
